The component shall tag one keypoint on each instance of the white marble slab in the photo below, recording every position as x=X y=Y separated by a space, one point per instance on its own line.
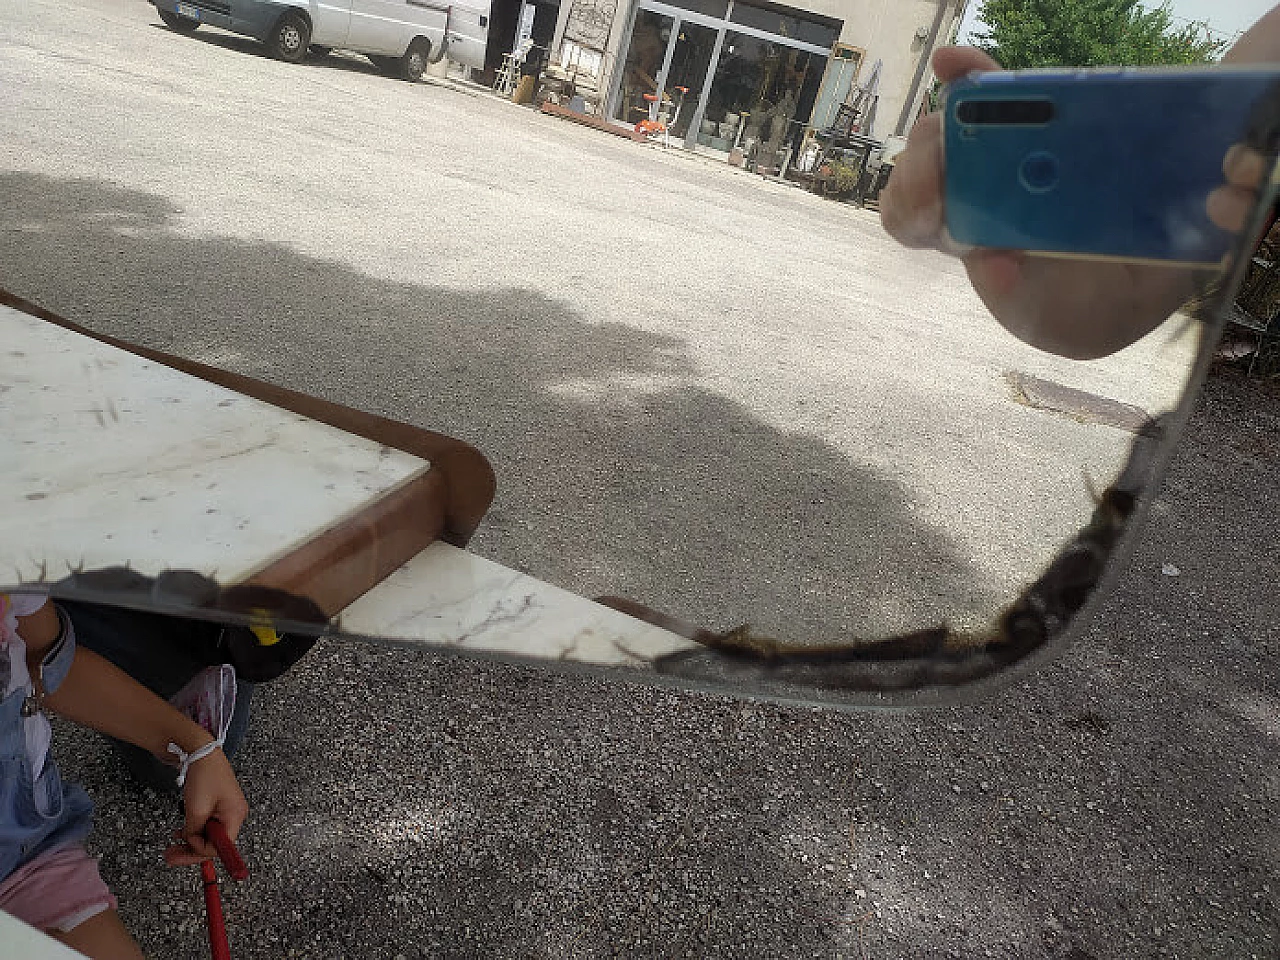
x=19 y=940
x=106 y=457
x=452 y=598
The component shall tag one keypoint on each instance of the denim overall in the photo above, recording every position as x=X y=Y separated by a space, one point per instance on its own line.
x=37 y=815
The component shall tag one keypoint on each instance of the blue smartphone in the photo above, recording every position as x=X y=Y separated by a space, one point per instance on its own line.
x=1114 y=163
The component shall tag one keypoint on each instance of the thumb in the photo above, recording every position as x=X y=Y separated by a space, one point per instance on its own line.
x=193 y=831
x=995 y=274
x=950 y=63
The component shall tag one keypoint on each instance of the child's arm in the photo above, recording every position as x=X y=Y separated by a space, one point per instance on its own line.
x=96 y=693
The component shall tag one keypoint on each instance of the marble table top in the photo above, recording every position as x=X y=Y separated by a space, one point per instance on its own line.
x=109 y=457
x=451 y=598
x=19 y=940
x=106 y=457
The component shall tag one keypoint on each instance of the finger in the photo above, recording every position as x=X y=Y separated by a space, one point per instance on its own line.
x=1005 y=281
x=949 y=63
x=197 y=814
x=1244 y=166
x=1259 y=43
x=927 y=128
x=181 y=855
x=233 y=816
x=911 y=208
x=995 y=274
x=1229 y=207
x=201 y=847
x=197 y=841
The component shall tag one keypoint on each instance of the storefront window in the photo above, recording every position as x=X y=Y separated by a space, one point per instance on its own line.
x=709 y=8
x=640 y=70
x=785 y=24
x=690 y=64
x=760 y=88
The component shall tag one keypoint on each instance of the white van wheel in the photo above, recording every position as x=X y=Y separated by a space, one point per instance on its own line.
x=289 y=38
x=413 y=64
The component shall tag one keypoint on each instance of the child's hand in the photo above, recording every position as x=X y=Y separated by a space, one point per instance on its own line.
x=211 y=790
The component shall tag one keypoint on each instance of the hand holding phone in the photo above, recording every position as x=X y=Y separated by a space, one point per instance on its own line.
x=1076 y=308
x=1103 y=163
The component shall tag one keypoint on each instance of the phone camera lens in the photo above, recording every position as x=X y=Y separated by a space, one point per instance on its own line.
x=1039 y=172
x=1004 y=112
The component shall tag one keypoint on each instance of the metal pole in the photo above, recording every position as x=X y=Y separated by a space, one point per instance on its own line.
x=908 y=105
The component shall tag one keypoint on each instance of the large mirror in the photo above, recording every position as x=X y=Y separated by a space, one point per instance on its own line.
x=446 y=385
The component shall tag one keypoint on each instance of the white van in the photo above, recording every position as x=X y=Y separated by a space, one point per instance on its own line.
x=400 y=36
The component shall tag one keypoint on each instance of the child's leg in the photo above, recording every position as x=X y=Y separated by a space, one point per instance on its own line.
x=62 y=893
x=101 y=937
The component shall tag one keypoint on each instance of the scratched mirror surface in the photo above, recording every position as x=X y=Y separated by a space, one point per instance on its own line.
x=500 y=384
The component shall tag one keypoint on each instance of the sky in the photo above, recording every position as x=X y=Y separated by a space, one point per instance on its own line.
x=1227 y=18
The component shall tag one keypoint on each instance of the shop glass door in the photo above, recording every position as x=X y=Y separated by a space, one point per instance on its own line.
x=642 y=67
x=690 y=64
x=760 y=87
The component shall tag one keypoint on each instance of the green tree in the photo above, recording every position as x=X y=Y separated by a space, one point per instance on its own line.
x=1089 y=33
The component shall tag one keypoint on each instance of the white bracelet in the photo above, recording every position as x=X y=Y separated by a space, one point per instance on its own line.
x=187 y=759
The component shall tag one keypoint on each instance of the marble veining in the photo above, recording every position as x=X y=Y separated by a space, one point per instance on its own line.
x=106 y=457
x=450 y=597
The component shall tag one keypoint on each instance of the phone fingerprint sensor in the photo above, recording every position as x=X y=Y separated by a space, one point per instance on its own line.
x=1039 y=172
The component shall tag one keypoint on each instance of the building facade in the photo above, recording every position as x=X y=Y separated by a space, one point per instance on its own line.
x=727 y=68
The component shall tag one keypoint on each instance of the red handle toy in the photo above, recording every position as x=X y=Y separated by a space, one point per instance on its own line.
x=235 y=866
x=218 y=945
x=227 y=852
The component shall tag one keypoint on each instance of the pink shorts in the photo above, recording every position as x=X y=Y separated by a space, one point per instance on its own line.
x=58 y=890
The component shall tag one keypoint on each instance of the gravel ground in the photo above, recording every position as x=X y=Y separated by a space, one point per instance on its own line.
x=1118 y=804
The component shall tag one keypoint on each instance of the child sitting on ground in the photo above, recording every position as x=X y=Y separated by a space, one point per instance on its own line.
x=47 y=879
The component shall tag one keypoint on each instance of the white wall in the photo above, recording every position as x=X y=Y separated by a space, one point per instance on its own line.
x=886 y=30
